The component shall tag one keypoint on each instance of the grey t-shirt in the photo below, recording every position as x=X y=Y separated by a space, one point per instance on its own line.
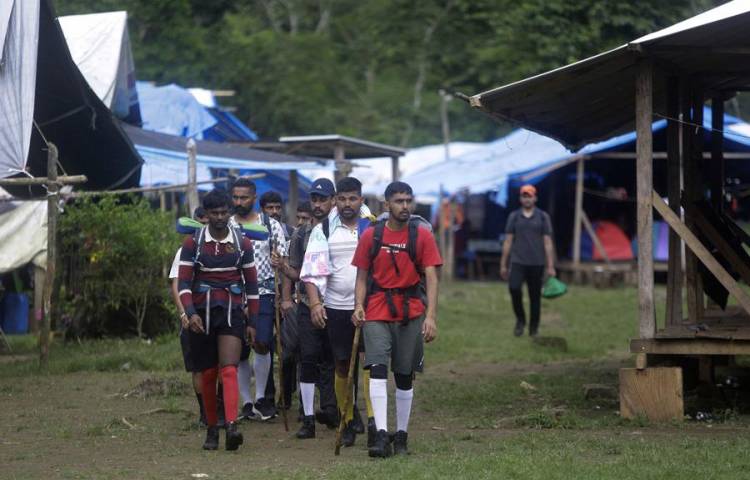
x=528 y=236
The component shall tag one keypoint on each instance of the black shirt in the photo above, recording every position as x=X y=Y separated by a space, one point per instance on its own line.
x=528 y=236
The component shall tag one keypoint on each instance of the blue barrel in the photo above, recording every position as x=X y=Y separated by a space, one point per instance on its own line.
x=15 y=315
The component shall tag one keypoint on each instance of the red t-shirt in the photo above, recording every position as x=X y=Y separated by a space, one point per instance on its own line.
x=385 y=274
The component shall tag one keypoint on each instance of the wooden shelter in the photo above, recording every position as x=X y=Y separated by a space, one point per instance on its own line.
x=668 y=74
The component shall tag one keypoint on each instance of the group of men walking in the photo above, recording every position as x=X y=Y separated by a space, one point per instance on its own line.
x=338 y=274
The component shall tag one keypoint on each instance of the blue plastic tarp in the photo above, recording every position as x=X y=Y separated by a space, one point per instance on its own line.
x=173 y=110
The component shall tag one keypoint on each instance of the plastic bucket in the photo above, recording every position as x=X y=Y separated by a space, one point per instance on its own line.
x=15 y=313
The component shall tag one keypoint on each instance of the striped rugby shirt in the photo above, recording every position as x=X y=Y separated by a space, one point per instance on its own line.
x=218 y=267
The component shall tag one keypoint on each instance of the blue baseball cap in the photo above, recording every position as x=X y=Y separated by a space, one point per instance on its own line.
x=323 y=187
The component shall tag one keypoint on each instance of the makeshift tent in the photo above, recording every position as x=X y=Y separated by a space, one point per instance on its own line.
x=100 y=45
x=41 y=85
x=173 y=110
x=23 y=234
x=228 y=127
x=616 y=244
x=166 y=161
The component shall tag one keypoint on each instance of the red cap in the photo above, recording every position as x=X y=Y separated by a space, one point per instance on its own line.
x=528 y=190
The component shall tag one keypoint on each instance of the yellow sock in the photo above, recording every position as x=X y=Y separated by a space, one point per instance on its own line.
x=366 y=393
x=339 y=386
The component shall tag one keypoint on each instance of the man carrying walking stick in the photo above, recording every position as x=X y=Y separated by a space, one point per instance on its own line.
x=391 y=258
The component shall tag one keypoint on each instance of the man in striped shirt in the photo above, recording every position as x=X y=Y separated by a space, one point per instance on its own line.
x=217 y=278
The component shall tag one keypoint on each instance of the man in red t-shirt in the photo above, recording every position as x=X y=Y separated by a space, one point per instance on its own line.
x=393 y=312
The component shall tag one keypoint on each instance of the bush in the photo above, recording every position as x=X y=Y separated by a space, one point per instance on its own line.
x=115 y=257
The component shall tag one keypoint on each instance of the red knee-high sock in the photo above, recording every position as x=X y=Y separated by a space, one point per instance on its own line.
x=231 y=392
x=208 y=386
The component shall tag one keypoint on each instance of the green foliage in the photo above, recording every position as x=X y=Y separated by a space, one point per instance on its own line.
x=116 y=254
x=371 y=69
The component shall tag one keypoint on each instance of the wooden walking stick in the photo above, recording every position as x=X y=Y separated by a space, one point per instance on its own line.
x=349 y=393
x=278 y=350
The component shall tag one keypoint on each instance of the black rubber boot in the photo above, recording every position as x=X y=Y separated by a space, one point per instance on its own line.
x=372 y=432
x=328 y=417
x=399 y=443
x=234 y=436
x=349 y=435
x=212 y=438
x=359 y=427
x=307 y=430
x=382 y=446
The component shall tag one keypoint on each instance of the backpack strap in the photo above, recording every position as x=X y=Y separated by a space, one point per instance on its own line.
x=411 y=245
x=377 y=239
x=199 y=237
x=326 y=226
x=267 y=223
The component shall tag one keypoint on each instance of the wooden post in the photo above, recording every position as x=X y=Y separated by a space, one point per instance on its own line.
x=49 y=279
x=717 y=152
x=577 y=222
x=39 y=279
x=449 y=258
x=644 y=174
x=674 y=188
x=692 y=158
x=395 y=174
x=445 y=122
x=343 y=167
x=291 y=205
x=441 y=232
x=192 y=190
x=163 y=201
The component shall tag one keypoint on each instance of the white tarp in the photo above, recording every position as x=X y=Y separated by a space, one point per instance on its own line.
x=17 y=83
x=23 y=234
x=100 y=47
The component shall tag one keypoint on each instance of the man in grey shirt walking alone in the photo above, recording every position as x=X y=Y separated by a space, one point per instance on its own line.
x=528 y=244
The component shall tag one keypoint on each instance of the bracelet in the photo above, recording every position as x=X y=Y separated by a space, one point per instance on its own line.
x=183 y=314
x=315 y=305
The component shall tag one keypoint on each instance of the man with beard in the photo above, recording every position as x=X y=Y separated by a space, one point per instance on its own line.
x=528 y=243
x=316 y=363
x=391 y=258
x=331 y=288
x=217 y=276
x=261 y=333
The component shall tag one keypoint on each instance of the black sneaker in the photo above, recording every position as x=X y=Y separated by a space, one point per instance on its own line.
x=399 y=443
x=234 y=437
x=212 y=438
x=328 y=417
x=247 y=412
x=349 y=435
x=372 y=432
x=359 y=427
x=307 y=430
x=382 y=446
x=264 y=409
x=518 y=331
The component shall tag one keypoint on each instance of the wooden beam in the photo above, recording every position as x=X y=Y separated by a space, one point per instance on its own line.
x=343 y=166
x=721 y=244
x=49 y=279
x=674 y=188
x=192 y=189
x=577 y=221
x=690 y=346
x=644 y=174
x=692 y=111
x=58 y=181
x=180 y=187
x=395 y=174
x=594 y=237
x=716 y=175
x=702 y=252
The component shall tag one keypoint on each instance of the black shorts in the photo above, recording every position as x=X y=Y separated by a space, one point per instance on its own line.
x=187 y=356
x=340 y=333
x=204 y=347
x=313 y=342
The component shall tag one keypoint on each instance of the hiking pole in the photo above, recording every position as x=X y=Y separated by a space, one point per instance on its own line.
x=349 y=395
x=278 y=350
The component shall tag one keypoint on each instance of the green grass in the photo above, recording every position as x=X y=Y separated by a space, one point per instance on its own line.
x=473 y=418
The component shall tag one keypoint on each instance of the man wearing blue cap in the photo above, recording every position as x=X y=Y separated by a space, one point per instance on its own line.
x=315 y=351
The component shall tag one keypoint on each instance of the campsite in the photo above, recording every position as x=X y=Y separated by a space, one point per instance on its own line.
x=443 y=239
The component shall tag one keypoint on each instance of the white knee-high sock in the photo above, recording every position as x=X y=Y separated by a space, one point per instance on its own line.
x=307 y=392
x=379 y=399
x=262 y=366
x=403 y=408
x=244 y=374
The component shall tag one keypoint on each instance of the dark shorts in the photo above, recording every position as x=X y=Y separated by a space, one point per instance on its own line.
x=204 y=347
x=290 y=335
x=263 y=324
x=340 y=333
x=313 y=342
x=187 y=356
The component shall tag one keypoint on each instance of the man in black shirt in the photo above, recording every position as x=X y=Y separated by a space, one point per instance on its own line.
x=528 y=244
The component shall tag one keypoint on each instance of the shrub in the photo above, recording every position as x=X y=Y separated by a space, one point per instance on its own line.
x=115 y=256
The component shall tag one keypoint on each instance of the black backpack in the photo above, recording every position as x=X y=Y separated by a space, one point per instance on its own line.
x=418 y=290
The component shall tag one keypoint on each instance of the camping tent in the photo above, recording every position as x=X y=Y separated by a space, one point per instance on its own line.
x=46 y=99
x=23 y=234
x=100 y=46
